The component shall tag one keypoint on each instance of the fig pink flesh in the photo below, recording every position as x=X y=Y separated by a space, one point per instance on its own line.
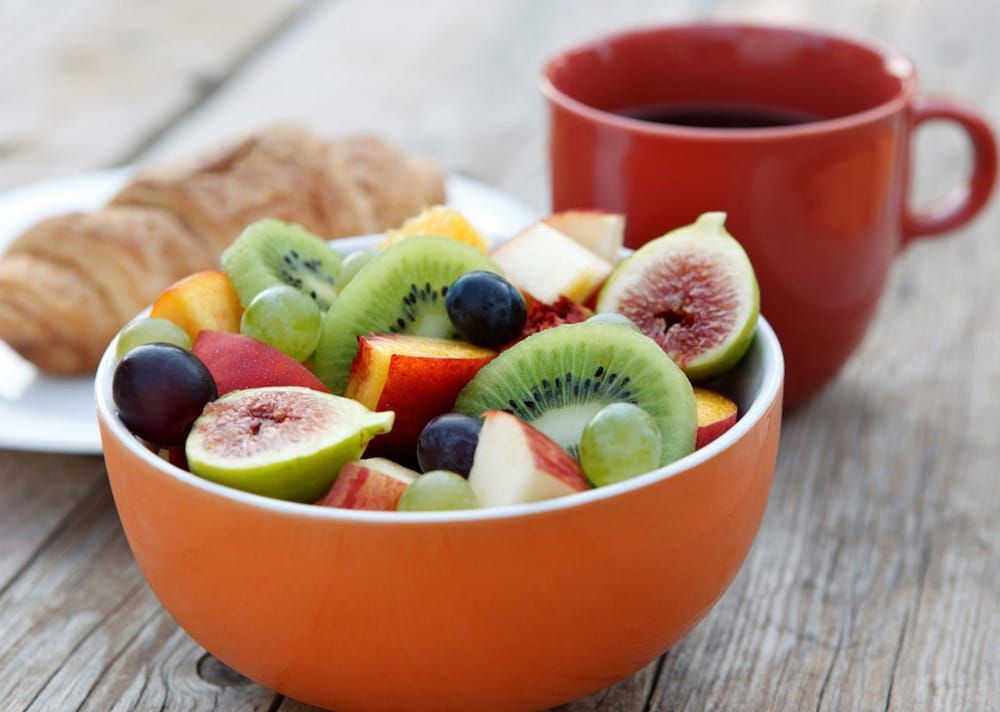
x=262 y=422
x=687 y=304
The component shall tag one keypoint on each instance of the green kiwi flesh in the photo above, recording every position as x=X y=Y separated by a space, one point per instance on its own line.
x=559 y=378
x=271 y=252
x=400 y=291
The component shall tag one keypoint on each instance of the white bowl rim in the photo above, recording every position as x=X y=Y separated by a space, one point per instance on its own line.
x=772 y=365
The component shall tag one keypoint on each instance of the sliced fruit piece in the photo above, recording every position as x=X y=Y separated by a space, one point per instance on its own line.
x=288 y=443
x=558 y=379
x=401 y=291
x=694 y=292
x=600 y=232
x=159 y=390
x=544 y=316
x=547 y=265
x=271 y=252
x=517 y=463
x=151 y=331
x=716 y=415
x=285 y=318
x=373 y=483
x=237 y=362
x=203 y=301
x=620 y=442
x=437 y=491
x=438 y=221
x=415 y=376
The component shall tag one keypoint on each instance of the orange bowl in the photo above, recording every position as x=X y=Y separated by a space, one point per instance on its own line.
x=513 y=608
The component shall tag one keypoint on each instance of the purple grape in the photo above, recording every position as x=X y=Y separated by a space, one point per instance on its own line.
x=160 y=390
x=486 y=309
x=448 y=442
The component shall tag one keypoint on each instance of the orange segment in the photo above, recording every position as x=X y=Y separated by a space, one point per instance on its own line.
x=439 y=221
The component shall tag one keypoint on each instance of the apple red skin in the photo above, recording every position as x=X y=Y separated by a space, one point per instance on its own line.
x=237 y=362
x=417 y=389
x=358 y=487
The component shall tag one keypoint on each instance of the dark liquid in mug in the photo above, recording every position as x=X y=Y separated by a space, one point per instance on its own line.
x=718 y=116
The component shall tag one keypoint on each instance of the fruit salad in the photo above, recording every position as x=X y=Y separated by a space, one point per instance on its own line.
x=433 y=373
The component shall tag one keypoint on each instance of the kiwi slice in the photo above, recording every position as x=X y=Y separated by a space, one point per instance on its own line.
x=400 y=291
x=558 y=379
x=271 y=252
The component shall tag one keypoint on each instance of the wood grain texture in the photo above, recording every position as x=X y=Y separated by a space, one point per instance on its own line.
x=85 y=83
x=875 y=580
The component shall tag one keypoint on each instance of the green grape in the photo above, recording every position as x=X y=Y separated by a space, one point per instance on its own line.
x=613 y=318
x=352 y=265
x=620 y=441
x=285 y=318
x=436 y=491
x=149 y=331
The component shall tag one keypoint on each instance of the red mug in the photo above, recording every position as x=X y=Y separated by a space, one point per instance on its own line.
x=821 y=206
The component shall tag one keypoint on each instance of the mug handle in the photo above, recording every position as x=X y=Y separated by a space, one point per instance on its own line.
x=972 y=197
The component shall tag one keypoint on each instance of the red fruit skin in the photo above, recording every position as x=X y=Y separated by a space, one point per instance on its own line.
x=237 y=362
x=716 y=415
x=360 y=487
x=708 y=433
x=542 y=316
x=416 y=389
x=177 y=457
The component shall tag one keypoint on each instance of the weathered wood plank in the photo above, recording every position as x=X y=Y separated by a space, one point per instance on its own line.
x=83 y=84
x=82 y=630
x=457 y=84
x=874 y=583
x=36 y=493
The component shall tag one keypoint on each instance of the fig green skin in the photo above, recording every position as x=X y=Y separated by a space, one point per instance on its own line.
x=303 y=472
x=706 y=371
x=708 y=226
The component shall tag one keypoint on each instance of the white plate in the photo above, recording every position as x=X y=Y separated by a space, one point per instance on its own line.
x=57 y=414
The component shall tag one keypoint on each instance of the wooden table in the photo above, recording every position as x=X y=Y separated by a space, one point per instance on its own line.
x=875 y=581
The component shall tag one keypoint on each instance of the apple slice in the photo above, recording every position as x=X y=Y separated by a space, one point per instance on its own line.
x=600 y=232
x=237 y=362
x=416 y=377
x=203 y=301
x=373 y=483
x=716 y=415
x=547 y=265
x=516 y=462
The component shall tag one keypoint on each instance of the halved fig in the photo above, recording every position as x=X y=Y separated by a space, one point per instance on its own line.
x=694 y=292
x=283 y=442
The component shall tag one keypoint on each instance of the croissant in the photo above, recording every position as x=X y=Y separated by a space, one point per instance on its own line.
x=69 y=283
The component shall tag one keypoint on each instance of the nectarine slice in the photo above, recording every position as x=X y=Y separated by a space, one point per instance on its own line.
x=203 y=301
x=415 y=376
x=716 y=415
